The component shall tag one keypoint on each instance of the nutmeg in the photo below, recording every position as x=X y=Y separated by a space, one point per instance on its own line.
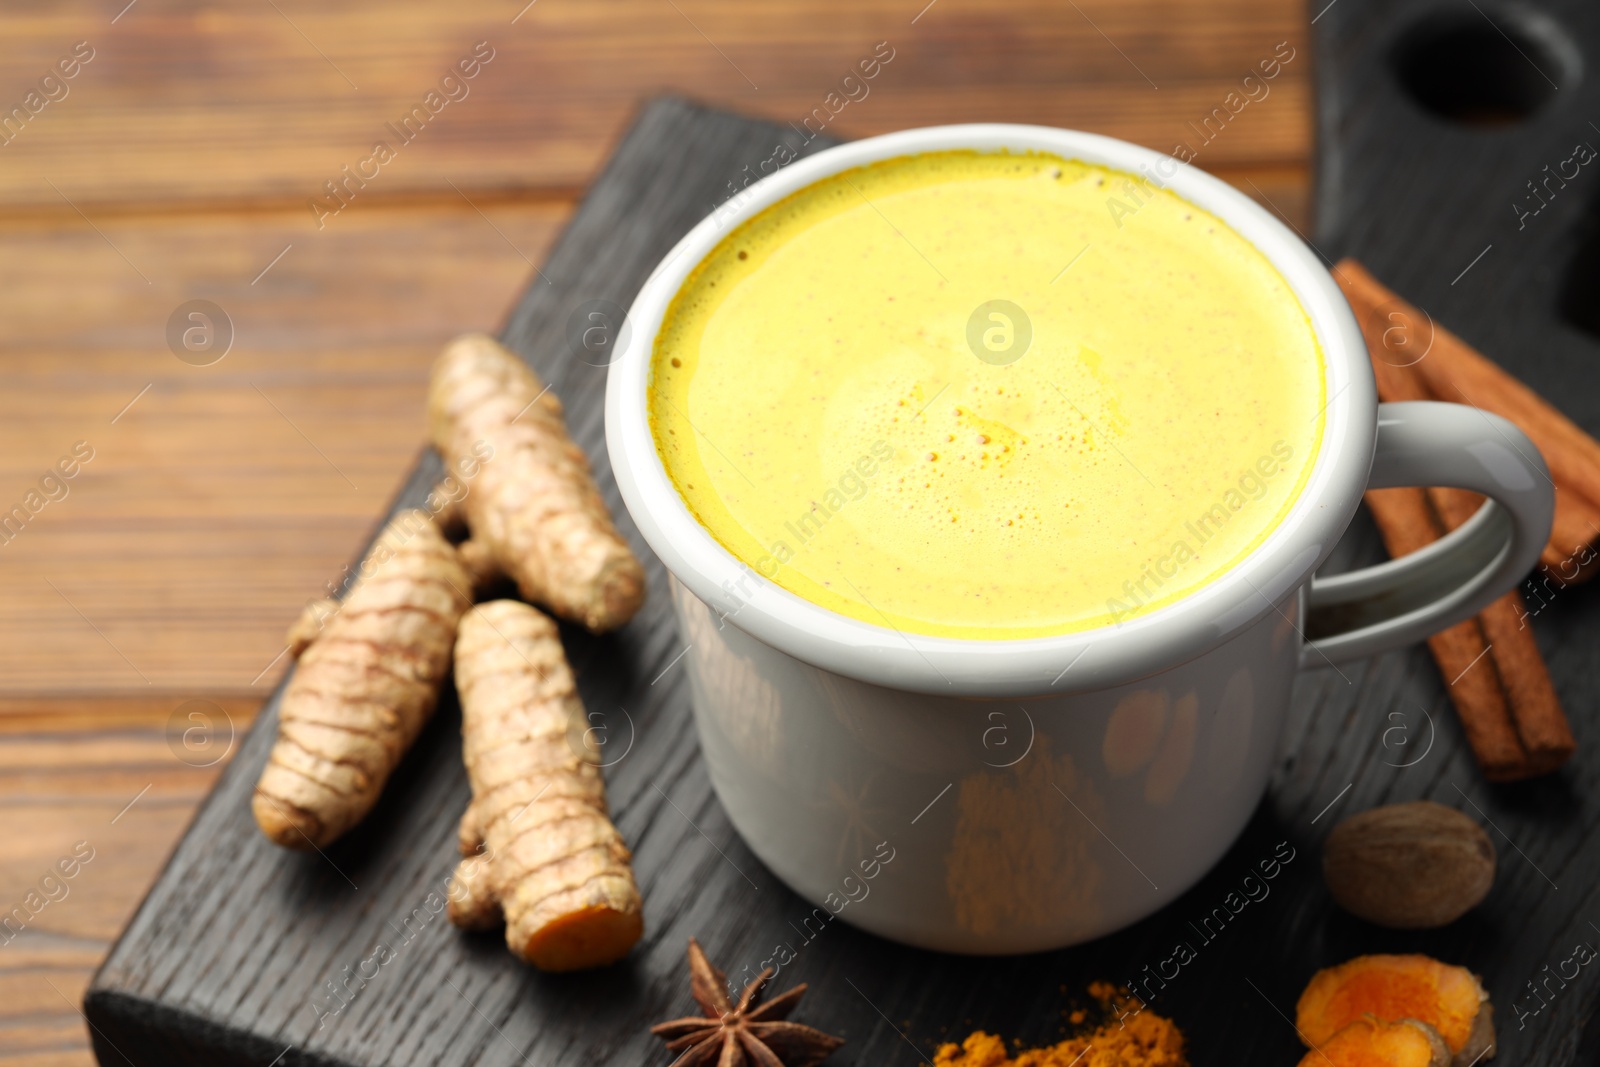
x=1408 y=866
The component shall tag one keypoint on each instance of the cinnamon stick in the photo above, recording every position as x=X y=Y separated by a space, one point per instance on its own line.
x=1470 y=674
x=1409 y=365
x=1518 y=729
x=1570 y=551
x=1535 y=709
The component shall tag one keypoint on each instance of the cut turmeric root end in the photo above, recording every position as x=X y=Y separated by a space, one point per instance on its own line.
x=1370 y=1042
x=1391 y=989
x=592 y=937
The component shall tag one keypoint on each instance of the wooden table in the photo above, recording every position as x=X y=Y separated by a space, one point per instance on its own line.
x=183 y=162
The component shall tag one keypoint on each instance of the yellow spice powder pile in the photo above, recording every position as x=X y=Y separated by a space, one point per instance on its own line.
x=1141 y=1039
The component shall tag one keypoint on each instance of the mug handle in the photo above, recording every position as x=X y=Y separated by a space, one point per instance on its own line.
x=1423 y=443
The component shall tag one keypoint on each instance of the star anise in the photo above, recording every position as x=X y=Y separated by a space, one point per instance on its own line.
x=746 y=1034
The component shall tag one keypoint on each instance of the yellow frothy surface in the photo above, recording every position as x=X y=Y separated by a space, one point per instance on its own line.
x=820 y=402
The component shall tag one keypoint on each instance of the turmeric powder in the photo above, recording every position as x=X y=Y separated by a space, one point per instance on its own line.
x=534 y=510
x=1138 y=1038
x=541 y=853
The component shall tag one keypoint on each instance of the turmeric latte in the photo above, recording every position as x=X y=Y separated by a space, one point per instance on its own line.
x=987 y=395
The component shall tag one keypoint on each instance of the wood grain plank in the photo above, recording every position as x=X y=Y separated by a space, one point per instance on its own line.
x=96 y=778
x=227 y=495
x=222 y=103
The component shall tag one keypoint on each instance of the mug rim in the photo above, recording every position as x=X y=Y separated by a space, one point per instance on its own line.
x=1266 y=580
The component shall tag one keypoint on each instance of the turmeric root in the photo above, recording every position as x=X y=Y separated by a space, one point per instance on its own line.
x=1370 y=1042
x=1391 y=988
x=367 y=681
x=534 y=505
x=541 y=853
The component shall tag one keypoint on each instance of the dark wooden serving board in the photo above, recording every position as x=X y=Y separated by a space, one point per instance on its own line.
x=234 y=945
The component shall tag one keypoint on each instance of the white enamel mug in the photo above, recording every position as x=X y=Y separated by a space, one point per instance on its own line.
x=1017 y=796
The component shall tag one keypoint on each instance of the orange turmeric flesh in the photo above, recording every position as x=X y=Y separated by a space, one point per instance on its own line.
x=1390 y=988
x=587 y=937
x=1368 y=1042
